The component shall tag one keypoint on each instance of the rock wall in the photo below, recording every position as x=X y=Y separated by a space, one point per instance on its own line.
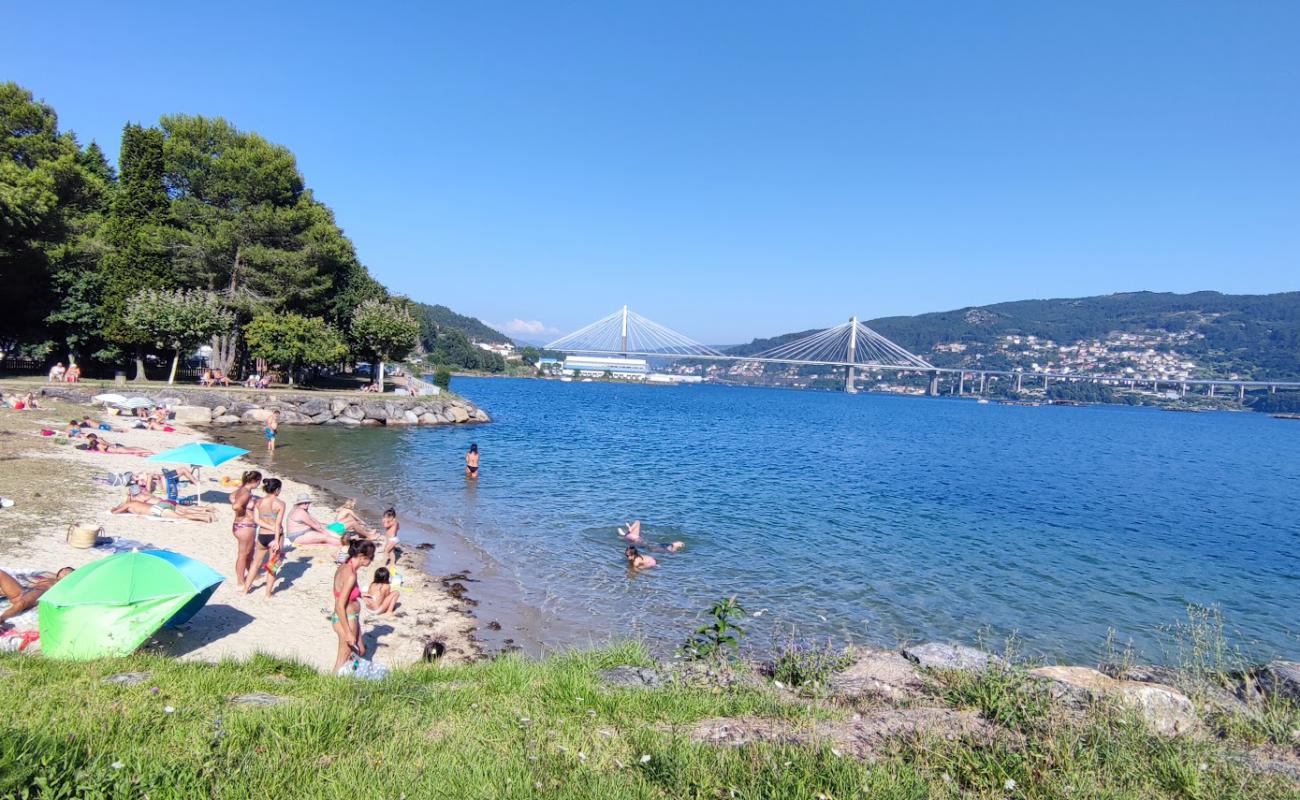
x=351 y=409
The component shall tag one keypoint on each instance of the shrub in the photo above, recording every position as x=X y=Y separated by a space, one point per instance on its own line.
x=807 y=667
x=442 y=378
x=719 y=638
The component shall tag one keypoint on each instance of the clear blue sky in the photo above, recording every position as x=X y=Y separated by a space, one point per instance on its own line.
x=735 y=169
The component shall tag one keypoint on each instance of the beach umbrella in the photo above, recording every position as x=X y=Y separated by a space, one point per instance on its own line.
x=109 y=607
x=200 y=454
x=109 y=399
x=133 y=403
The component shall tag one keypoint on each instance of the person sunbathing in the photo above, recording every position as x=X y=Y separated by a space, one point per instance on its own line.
x=21 y=599
x=381 y=597
x=163 y=509
x=304 y=529
x=98 y=445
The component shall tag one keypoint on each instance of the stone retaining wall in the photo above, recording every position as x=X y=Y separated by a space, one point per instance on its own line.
x=354 y=409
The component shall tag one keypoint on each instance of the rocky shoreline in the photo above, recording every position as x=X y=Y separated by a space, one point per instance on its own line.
x=222 y=407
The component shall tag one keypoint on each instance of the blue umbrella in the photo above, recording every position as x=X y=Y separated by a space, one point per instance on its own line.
x=200 y=454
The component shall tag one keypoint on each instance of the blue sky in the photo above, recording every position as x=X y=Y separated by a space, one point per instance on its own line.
x=735 y=169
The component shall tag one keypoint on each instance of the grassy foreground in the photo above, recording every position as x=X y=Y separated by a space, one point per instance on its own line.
x=515 y=728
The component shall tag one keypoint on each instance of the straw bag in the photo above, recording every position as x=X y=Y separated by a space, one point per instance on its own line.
x=83 y=536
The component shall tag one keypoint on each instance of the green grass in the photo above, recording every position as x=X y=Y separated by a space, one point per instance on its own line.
x=516 y=728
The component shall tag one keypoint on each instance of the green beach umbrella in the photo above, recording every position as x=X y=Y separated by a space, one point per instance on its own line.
x=110 y=607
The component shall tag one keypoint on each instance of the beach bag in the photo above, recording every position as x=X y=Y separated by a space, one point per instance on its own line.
x=363 y=668
x=83 y=536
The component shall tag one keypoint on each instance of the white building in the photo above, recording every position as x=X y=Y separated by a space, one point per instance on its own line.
x=506 y=350
x=633 y=369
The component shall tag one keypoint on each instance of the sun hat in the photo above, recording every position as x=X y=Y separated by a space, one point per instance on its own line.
x=303 y=499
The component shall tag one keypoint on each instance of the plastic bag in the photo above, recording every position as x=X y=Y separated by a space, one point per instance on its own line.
x=363 y=668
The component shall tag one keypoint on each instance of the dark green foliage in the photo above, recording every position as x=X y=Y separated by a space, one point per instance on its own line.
x=435 y=318
x=1080 y=392
x=1004 y=695
x=1280 y=403
x=442 y=378
x=453 y=348
x=719 y=638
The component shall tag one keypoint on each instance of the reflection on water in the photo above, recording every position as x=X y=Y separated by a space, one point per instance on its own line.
x=861 y=517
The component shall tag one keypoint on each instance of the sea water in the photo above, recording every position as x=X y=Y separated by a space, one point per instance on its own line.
x=865 y=518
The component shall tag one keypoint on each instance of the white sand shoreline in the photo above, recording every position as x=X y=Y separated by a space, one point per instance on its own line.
x=290 y=624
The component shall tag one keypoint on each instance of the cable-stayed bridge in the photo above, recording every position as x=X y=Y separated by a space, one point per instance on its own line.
x=851 y=346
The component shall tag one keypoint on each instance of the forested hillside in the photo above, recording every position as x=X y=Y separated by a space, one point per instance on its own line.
x=435 y=316
x=1255 y=336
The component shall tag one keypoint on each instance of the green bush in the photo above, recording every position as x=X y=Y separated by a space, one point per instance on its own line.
x=442 y=378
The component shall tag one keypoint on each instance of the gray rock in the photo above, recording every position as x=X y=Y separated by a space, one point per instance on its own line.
x=419 y=410
x=482 y=416
x=458 y=414
x=1165 y=710
x=338 y=405
x=218 y=411
x=372 y=423
x=411 y=418
x=322 y=418
x=192 y=415
x=314 y=406
x=1280 y=678
x=258 y=699
x=937 y=655
x=377 y=411
x=257 y=415
x=354 y=412
x=629 y=677
x=429 y=419
x=331 y=421
x=880 y=674
x=128 y=678
x=350 y=422
x=227 y=419
x=294 y=418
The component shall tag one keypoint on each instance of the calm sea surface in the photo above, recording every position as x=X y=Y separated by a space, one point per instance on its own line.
x=868 y=518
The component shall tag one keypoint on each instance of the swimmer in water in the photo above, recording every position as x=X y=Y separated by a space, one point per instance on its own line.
x=471 y=462
x=636 y=560
x=633 y=532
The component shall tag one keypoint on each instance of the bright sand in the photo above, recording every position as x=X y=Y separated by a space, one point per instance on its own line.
x=291 y=624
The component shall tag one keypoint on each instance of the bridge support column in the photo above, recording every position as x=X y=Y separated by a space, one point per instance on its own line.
x=849 y=385
x=1209 y=390
x=983 y=376
x=1155 y=386
x=934 y=385
x=1272 y=390
x=1019 y=375
x=1182 y=390
x=1241 y=393
x=961 y=384
x=1046 y=380
x=853 y=355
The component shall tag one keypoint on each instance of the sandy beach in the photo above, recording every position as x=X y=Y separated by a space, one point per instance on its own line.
x=53 y=487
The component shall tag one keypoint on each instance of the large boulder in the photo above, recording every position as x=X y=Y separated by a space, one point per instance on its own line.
x=338 y=405
x=353 y=413
x=458 y=414
x=1280 y=678
x=351 y=422
x=411 y=417
x=938 y=655
x=369 y=422
x=192 y=415
x=878 y=673
x=322 y=418
x=227 y=419
x=377 y=411
x=256 y=415
x=429 y=419
x=314 y=406
x=219 y=411
x=482 y=416
x=1165 y=710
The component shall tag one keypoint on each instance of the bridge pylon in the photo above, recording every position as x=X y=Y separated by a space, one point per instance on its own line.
x=849 y=386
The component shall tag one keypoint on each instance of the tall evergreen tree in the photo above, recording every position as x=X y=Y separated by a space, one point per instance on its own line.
x=138 y=259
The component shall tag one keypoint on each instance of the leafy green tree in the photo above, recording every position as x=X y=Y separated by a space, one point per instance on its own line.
x=48 y=189
x=530 y=355
x=175 y=319
x=385 y=330
x=137 y=259
x=294 y=341
x=442 y=378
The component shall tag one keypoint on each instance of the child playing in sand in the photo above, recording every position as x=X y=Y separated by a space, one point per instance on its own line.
x=381 y=598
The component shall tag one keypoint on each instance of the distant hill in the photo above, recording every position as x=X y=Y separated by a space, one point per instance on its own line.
x=1253 y=336
x=437 y=317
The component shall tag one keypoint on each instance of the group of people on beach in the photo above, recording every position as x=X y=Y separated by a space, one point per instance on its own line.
x=264 y=525
x=62 y=374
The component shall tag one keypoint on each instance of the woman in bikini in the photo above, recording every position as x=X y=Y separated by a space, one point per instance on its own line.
x=471 y=462
x=98 y=445
x=346 y=618
x=268 y=516
x=242 y=500
x=637 y=561
x=304 y=529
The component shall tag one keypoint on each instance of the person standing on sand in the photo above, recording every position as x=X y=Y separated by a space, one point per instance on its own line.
x=268 y=515
x=471 y=462
x=272 y=425
x=244 y=528
x=346 y=618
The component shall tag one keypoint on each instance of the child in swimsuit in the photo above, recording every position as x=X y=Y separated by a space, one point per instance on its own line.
x=272 y=425
x=391 y=527
x=381 y=598
x=346 y=617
